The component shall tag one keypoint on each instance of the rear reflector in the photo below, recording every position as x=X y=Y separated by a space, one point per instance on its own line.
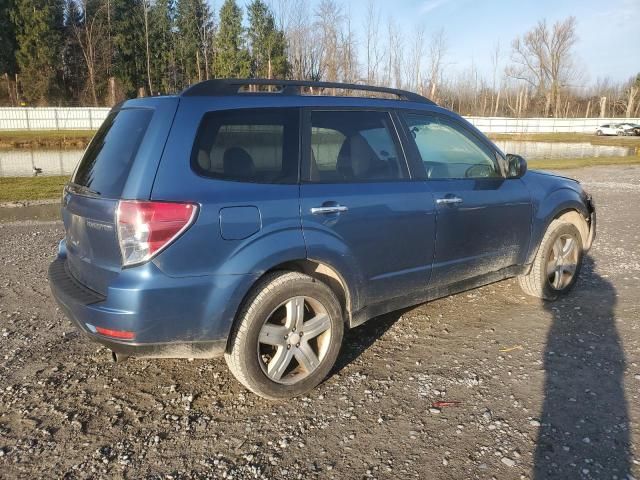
x=120 y=334
x=146 y=228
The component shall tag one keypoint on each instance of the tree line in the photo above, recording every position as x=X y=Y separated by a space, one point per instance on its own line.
x=99 y=52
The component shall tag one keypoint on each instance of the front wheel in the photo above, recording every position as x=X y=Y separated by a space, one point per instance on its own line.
x=557 y=263
x=287 y=336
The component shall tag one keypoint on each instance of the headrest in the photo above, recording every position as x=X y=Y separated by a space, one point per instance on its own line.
x=355 y=157
x=238 y=163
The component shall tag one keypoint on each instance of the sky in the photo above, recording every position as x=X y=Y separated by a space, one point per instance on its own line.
x=608 y=30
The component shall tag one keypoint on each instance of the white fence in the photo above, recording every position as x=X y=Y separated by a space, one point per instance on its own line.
x=74 y=118
x=543 y=125
x=52 y=118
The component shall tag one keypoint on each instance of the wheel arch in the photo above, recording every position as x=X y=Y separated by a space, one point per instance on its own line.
x=565 y=204
x=319 y=270
x=325 y=273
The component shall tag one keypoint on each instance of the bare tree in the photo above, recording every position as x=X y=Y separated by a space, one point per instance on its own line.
x=347 y=49
x=542 y=58
x=414 y=61
x=632 y=91
x=146 y=6
x=88 y=34
x=395 y=57
x=437 y=52
x=373 y=53
x=328 y=21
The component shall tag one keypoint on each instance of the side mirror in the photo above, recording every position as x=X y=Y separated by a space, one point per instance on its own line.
x=517 y=166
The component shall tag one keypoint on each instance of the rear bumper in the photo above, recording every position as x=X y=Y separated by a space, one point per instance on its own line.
x=188 y=317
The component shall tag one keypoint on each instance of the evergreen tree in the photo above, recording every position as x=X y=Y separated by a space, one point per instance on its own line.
x=74 y=69
x=232 y=58
x=127 y=36
x=267 y=43
x=195 y=26
x=7 y=39
x=163 y=41
x=38 y=26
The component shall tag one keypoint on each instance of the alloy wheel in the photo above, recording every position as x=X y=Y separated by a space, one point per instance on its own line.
x=562 y=262
x=294 y=340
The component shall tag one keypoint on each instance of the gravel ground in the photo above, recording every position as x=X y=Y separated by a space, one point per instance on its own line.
x=545 y=391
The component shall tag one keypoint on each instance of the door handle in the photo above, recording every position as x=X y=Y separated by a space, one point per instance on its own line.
x=448 y=201
x=328 y=209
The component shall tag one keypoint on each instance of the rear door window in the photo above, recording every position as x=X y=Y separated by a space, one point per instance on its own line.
x=108 y=159
x=248 y=145
x=354 y=146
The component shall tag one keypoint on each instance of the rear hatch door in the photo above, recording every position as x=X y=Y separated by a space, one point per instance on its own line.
x=120 y=162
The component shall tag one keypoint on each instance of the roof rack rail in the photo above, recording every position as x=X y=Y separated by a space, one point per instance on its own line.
x=232 y=86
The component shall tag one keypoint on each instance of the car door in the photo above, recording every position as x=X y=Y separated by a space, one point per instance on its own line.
x=361 y=212
x=483 y=219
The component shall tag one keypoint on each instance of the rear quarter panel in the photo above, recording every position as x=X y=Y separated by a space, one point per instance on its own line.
x=202 y=250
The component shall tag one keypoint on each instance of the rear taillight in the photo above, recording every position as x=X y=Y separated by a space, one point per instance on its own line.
x=146 y=228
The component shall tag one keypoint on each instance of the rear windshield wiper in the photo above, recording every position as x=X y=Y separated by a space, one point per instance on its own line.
x=82 y=190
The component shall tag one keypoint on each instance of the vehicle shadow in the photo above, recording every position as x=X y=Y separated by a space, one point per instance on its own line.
x=359 y=339
x=584 y=430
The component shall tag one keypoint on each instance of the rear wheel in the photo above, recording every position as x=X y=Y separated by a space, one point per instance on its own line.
x=557 y=263
x=287 y=336
x=599 y=133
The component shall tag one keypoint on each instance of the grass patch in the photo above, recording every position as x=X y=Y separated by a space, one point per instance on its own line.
x=563 y=163
x=13 y=189
x=568 y=138
x=45 y=138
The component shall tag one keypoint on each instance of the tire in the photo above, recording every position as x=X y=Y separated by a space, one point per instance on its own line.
x=550 y=278
x=268 y=338
x=599 y=133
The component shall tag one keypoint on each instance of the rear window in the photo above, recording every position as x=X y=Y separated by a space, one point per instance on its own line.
x=106 y=163
x=250 y=145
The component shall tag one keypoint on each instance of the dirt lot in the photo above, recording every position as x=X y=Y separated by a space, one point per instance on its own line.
x=546 y=391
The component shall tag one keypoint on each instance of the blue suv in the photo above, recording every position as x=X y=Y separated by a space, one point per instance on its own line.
x=257 y=219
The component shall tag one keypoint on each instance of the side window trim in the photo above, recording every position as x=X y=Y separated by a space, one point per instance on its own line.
x=418 y=164
x=396 y=132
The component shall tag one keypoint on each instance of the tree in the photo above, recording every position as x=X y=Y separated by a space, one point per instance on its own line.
x=373 y=53
x=267 y=44
x=86 y=21
x=542 y=57
x=146 y=6
x=74 y=73
x=195 y=27
x=632 y=90
x=38 y=25
x=303 y=47
x=163 y=38
x=437 y=52
x=127 y=37
x=7 y=46
x=328 y=23
x=231 y=56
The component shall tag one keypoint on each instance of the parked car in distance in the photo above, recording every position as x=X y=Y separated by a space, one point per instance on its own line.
x=630 y=129
x=620 y=129
x=261 y=224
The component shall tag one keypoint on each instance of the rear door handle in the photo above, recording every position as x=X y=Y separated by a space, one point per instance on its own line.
x=328 y=209
x=448 y=201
